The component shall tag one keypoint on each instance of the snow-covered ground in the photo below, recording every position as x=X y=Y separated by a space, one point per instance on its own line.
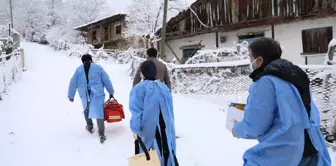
x=39 y=127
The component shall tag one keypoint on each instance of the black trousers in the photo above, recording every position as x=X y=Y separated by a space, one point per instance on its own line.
x=89 y=123
x=161 y=139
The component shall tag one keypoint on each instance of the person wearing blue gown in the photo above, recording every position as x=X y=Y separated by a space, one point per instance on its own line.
x=90 y=79
x=280 y=112
x=151 y=105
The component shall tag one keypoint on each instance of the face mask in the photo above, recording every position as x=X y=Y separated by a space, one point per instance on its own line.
x=251 y=64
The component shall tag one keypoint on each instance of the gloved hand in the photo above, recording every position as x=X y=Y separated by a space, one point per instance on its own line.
x=111 y=96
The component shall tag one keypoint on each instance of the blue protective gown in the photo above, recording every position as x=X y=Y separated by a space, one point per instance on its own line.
x=276 y=116
x=147 y=98
x=98 y=80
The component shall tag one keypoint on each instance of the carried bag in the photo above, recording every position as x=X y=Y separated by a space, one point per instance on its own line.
x=113 y=111
x=147 y=158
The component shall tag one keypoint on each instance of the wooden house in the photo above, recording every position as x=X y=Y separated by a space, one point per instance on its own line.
x=108 y=31
x=303 y=27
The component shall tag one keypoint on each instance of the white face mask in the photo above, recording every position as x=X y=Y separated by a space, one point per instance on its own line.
x=251 y=64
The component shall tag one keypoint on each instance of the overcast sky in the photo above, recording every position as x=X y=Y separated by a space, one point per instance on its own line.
x=119 y=6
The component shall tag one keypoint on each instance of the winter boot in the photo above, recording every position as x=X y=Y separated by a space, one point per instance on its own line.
x=89 y=129
x=102 y=137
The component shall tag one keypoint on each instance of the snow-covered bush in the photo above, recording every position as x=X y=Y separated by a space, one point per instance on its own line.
x=240 y=51
x=59 y=45
x=7 y=45
x=225 y=79
x=77 y=50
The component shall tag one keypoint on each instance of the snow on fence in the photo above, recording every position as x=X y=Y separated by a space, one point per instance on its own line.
x=11 y=59
x=10 y=70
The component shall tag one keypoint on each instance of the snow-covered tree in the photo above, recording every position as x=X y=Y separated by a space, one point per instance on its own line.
x=145 y=16
x=38 y=19
x=76 y=13
x=85 y=11
x=30 y=19
x=4 y=13
x=34 y=20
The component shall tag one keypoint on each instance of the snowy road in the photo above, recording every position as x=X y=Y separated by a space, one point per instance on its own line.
x=39 y=127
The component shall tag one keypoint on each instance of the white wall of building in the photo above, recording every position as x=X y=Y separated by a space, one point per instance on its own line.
x=232 y=36
x=289 y=36
x=208 y=41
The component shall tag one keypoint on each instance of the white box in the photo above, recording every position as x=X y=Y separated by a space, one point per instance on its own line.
x=235 y=112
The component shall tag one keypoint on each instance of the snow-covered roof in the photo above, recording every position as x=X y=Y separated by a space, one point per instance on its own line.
x=112 y=17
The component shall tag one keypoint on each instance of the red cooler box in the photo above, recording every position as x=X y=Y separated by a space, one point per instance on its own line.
x=113 y=111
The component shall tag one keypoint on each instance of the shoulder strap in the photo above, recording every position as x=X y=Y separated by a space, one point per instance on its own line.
x=138 y=143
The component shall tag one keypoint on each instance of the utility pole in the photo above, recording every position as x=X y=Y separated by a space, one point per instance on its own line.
x=11 y=12
x=52 y=4
x=163 y=31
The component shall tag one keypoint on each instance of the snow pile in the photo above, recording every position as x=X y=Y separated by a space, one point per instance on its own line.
x=10 y=71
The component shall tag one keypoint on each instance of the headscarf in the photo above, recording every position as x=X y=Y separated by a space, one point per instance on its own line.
x=86 y=58
x=148 y=70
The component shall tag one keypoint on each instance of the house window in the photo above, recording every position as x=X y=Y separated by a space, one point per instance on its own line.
x=189 y=52
x=106 y=34
x=118 y=30
x=94 y=35
x=250 y=37
x=315 y=41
